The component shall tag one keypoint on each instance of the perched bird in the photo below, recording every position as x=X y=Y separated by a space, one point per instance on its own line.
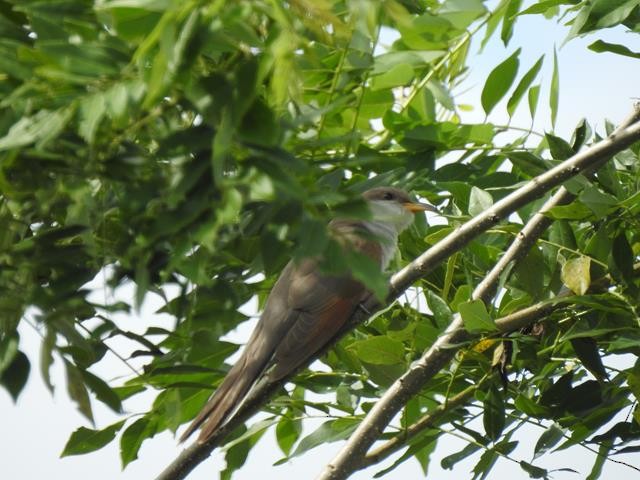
x=307 y=307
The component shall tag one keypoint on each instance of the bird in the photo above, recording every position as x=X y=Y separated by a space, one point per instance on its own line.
x=307 y=307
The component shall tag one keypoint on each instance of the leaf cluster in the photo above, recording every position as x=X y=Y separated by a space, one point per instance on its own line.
x=196 y=147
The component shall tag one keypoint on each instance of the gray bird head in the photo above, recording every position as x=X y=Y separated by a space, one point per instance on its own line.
x=394 y=207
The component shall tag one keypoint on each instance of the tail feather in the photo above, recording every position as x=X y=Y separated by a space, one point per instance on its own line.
x=274 y=323
x=225 y=399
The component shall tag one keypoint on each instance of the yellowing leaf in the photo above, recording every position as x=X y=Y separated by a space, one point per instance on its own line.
x=576 y=276
x=484 y=344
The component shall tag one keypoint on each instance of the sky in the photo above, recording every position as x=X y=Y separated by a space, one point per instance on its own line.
x=34 y=432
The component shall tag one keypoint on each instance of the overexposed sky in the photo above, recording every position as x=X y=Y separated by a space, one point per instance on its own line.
x=34 y=432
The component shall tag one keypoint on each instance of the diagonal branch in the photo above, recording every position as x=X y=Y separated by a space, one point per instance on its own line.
x=509 y=323
x=443 y=350
x=428 y=420
x=425 y=263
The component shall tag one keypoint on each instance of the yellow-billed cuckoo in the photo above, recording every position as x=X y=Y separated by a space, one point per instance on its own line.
x=306 y=307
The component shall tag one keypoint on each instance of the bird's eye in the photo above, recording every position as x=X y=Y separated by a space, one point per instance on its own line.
x=387 y=196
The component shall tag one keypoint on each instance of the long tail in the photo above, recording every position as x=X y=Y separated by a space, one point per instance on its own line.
x=230 y=393
x=275 y=321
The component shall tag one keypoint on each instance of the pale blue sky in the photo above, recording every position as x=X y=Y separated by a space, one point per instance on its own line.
x=595 y=86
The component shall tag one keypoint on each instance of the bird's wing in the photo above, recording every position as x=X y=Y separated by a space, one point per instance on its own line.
x=324 y=303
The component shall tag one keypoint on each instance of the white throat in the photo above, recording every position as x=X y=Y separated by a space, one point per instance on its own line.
x=388 y=220
x=387 y=235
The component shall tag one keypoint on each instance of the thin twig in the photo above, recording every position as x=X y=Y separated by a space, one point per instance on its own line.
x=418 y=87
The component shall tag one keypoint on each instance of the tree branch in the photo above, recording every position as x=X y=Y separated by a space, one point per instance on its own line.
x=428 y=420
x=518 y=249
x=443 y=350
x=508 y=323
x=425 y=263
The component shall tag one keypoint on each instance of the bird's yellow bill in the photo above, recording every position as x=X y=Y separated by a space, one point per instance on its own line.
x=415 y=207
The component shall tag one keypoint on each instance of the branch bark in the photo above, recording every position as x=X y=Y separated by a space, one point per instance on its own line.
x=425 y=263
x=353 y=453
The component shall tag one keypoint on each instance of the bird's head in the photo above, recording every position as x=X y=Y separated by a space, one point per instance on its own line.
x=393 y=206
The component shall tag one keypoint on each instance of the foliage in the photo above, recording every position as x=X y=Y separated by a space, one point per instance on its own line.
x=197 y=144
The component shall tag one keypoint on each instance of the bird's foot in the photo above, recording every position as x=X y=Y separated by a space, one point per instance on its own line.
x=364 y=309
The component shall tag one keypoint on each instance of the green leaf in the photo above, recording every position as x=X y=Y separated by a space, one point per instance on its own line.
x=77 y=390
x=533 y=471
x=574 y=211
x=92 y=111
x=449 y=461
x=529 y=273
x=328 y=432
x=587 y=351
x=398 y=75
x=475 y=317
x=609 y=179
x=580 y=134
x=522 y=87
x=117 y=102
x=493 y=21
x=380 y=350
x=8 y=350
x=633 y=379
x=85 y=440
x=287 y=433
x=601 y=46
x=560 y=150
x=509 y=20
x=549 y=439
x=441 y=311
x=485 y=464
x=133 y=436
x=529 y=407
x=599 y=246
x=313 y=238
x=493 y=418
x=411 y=58
x=601 y=458
x=544 y=6
x=14 y=376
x=442 y=95
x=461 y=13
x=102 y=391
x=374 y=104
x=558 y=392
x=601 y=204
x=221 y=144
x=46 y=356
x=554 y=93
x=367 y=271
x=533 y=96
x=238 y=449
x=41 y=127
x=575 y=274
x=479 y=201
x=420 y=450
x=499 y=81
x=529 y=163
x=623 y=257
x=615 y=13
